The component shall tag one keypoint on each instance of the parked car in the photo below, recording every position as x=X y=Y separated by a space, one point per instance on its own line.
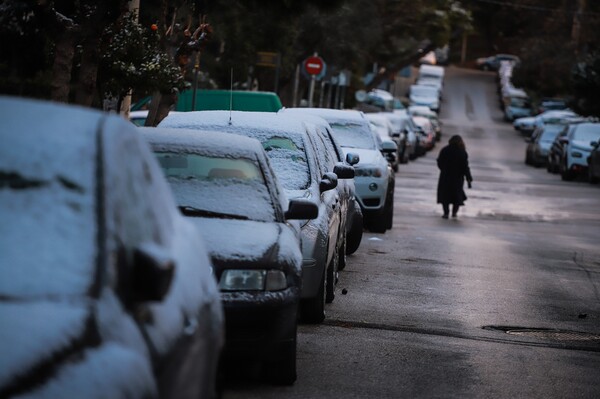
x=557 y=147
x=420 y=110
x=106 y=291
x=594 y=164
x=427 y=134
x=552 y=104
x=404 y=138
x=527 y=125
x=297 y=158
x=540 y=143
x=516 y=104
x=578 y=145
x=225 y=185
x=374 y=177
x=425 y=95
x=346 y=187
x=383 y=127
x=492 y=63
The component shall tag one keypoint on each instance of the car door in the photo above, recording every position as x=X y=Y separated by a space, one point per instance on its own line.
x=184 y=326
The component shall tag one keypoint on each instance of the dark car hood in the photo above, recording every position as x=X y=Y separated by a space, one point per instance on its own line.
x=248 y=242
x=37 y=335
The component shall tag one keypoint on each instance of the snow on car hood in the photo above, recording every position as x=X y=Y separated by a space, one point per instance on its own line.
x=367 y=157
x=32 y=332
x=247 y=240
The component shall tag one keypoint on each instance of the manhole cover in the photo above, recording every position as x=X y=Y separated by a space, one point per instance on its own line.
x=547 y=333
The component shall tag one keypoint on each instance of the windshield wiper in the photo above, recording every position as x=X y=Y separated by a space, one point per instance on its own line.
x=191 y=211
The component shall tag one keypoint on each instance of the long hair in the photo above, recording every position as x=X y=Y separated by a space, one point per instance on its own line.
x=457 y=141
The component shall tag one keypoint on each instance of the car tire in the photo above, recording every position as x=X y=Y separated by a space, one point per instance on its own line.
x=591 y=178
x=283 y=370
x=312 y=310
x=354 y=236
x=342 y=254
x=331 y=282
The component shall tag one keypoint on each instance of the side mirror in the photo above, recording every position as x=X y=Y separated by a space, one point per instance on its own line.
x=301 y=209
x=328 y=182
x=352 y=158
x=594 y=144
x=343 y=171
x=389 y=146
x=152 y=273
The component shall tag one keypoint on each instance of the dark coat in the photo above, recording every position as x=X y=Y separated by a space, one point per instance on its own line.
x=453 y=163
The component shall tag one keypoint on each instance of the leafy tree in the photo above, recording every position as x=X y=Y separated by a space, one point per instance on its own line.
x=586 y=85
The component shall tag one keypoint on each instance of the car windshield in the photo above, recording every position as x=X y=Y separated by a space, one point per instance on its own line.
x=218 y=186
x=587 y=133
x=549 y=134
x=426 y=91
x=353 y=135
x=520 y=102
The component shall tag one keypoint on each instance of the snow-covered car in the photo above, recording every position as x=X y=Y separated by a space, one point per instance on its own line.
x=538 y=148
x=403 y=135
x=426 y=134
x=425 y=95
x=225 y=185
x=421 y=110
x=578 y=145
x=374 y=177
x=383 y=127
x=492 y=63
x=346 y=189
x=516 y=103
x=298 y=161
x=527 y=125
x=106 y=291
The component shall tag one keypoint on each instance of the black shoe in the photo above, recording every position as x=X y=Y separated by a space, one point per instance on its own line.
x=454 y=215
x=445 y=216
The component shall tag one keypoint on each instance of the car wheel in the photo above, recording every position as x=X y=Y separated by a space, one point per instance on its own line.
x=566 y=174
x=331 y=279
x=395 y=167
x=312 y=310
x=354 y=236
x=342 y=254
x=283 y=370
x=591 y=178
x=383 y=220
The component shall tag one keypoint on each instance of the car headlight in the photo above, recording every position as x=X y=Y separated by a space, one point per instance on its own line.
x=374 y=172
x=252 y=280
x=576 y=154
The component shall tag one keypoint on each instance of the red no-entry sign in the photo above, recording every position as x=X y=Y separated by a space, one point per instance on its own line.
x=313 y=65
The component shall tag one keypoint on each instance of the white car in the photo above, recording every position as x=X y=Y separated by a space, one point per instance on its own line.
x=527 y=125
x=383 y=127
x=374 y=177
x=425 y=95
x=578 y=146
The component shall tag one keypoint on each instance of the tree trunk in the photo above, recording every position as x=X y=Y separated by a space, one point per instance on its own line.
x=88 y=72
x=64 y=52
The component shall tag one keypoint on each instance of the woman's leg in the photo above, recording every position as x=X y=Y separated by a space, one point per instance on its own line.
x=446 y=208
x=455 y=209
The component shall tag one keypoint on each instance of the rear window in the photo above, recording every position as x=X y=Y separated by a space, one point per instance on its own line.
x=354 y=135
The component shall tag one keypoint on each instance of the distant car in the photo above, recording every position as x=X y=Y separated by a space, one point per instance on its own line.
x=427 y=134
x=516 y=104
x=527 y=125
x=374 y=177
x=540 y=143
x=420 y=110
x=298 y=159
x=404 y=138
x=106 y=291
x=425 y=95
x=225 y=185
x=383 y=127
x=552 y=104
x=577 y=148
x=594 y=164
x=492 y=63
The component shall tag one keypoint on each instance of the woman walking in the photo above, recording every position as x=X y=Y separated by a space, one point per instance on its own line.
x=453 y=163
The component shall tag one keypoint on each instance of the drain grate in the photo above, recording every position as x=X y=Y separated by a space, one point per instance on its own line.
x=547 y=334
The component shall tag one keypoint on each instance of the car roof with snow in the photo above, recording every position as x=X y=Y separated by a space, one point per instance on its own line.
x=333 y=115
x=235 y=145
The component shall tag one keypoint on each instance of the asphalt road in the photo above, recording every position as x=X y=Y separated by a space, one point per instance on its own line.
x=502 y=302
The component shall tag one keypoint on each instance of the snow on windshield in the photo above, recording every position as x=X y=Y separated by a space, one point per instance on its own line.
x=425 y=91
x=353 y=135
x=218 y=184
x=587 y=132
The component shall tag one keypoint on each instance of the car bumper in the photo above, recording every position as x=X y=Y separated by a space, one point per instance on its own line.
x=256 y=323
x=371 y=192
